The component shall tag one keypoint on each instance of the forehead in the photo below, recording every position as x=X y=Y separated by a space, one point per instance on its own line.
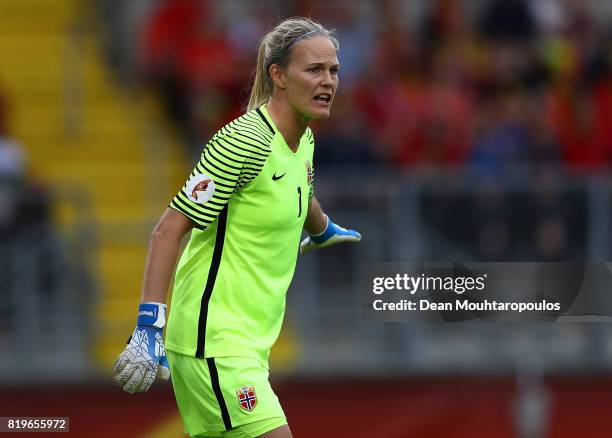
x=315 y=50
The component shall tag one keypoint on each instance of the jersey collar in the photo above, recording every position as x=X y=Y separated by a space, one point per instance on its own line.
x=273 y=127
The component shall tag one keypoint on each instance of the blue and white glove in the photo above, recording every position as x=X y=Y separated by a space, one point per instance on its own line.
x=144 y=356
x=332 y=235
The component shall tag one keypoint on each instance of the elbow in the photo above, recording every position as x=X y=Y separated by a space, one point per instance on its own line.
x=171 y=227
x=164 y=231
x=159 y=235
x=160 y=232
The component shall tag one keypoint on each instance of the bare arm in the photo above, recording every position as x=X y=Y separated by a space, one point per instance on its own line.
x=315 y=219
x=162 y=255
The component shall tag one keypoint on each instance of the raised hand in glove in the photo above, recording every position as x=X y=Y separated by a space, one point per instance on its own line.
x=332 y=235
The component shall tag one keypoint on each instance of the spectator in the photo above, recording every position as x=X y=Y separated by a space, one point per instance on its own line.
x=457 y=93
x=22 y=203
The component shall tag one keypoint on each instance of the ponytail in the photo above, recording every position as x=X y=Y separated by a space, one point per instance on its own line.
x=262 y=89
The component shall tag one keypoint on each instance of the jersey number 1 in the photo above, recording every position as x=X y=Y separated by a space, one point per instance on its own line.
x=299 y=189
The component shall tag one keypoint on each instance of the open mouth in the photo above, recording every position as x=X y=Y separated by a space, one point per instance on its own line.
x=323 y=98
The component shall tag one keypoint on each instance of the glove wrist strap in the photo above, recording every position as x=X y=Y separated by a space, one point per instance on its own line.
x=325 y=234
x=152 y=314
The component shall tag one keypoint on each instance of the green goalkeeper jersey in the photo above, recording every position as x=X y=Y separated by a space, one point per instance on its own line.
x=248 y=198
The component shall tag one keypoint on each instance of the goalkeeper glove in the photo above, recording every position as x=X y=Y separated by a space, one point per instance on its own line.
x=145 y=355
x=330 y=236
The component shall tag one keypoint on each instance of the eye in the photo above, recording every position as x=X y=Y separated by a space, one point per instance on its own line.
x=334 y=70
x=314 y=69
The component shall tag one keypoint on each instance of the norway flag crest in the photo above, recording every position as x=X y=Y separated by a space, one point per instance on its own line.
x=247 y=397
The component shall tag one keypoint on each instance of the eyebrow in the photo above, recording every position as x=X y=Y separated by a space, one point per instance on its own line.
x=321 y=63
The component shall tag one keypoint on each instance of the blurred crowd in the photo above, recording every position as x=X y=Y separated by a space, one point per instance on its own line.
x=24 y=203
x=490 y=89
x=24 y=223
x=483 y=84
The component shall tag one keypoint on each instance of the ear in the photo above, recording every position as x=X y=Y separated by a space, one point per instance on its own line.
x=277 y=74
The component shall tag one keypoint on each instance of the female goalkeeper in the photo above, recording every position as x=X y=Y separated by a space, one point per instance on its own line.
x=245 y=203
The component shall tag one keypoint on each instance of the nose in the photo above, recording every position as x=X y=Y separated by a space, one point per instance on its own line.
x=327 y=80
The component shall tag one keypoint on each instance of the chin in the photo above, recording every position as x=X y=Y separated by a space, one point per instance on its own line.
x=320 y=113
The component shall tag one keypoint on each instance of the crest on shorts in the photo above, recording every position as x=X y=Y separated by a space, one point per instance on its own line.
x=309 y=172
x=247 y=397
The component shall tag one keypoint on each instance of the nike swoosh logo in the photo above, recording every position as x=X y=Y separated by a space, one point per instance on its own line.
x=276 y=178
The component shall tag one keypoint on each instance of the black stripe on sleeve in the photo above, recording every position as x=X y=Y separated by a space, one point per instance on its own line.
x=225 y=160
x=218 y=147
x=265 y=120
x=196 y=211
x=250 y=174
x=214 y=379
x=253 y=135
x=210 y=282
x=256 y=166
x=223 y=192
x=254 y=148
x=192 y=211
x=198 y=225
x=207 y=163
x=250 y=119
x=218 y=142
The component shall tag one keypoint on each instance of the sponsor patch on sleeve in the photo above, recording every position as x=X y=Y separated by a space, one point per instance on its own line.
x=200 y=188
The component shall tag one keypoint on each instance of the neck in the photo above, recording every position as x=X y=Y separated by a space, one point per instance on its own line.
x=290 y=124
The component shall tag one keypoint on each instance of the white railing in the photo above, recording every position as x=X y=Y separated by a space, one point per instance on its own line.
x=46 y=297
x=405 y=218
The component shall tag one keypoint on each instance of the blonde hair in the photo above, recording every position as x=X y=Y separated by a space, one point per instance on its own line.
x=276 y=48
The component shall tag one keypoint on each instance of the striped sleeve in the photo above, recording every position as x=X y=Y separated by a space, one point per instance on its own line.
x=228 y=162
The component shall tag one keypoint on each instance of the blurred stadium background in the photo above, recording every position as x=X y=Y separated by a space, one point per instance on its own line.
x=463 y=130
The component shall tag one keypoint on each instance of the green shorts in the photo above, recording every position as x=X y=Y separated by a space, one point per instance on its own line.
x=217 y=395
